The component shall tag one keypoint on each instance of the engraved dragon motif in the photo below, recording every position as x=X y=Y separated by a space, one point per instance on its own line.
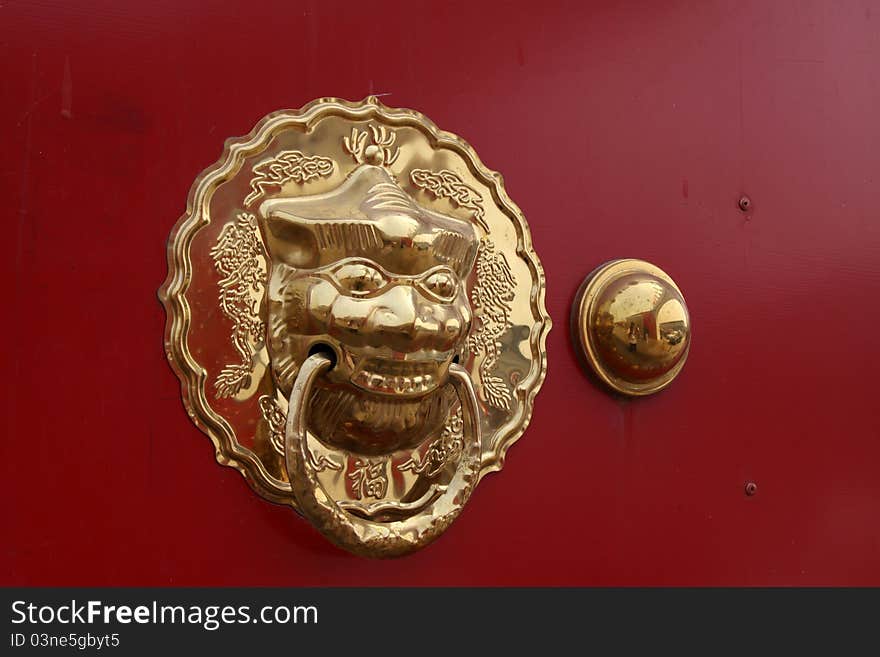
x=492 y=299
x=240 y=260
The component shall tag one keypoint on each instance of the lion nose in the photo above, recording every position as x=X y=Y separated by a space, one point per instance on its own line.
x=406 y=321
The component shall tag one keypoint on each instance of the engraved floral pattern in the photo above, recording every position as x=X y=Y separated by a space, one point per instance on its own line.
x=442 y=451
x=285 y=167
x=446 y=184
x=276 y=420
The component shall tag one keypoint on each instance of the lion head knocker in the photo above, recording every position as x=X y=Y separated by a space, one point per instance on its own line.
x=378 y=283
x=384 y=319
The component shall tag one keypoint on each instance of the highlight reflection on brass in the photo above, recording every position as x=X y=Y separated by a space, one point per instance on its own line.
x=381 y=334
x=633 y=326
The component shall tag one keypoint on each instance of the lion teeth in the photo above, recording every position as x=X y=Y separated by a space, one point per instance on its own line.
x=398 y=384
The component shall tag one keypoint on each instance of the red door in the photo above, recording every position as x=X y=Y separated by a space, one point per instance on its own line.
x=621 y=129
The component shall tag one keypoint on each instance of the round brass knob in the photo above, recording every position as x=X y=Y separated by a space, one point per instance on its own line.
x=633 y=326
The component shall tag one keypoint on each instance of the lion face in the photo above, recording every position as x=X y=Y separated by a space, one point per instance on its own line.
x=382 y=289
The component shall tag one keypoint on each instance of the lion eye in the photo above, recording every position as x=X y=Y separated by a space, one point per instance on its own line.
x=359 y=277
x=441 y=284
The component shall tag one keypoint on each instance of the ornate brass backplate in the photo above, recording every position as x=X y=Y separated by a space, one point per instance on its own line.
x=356 y=315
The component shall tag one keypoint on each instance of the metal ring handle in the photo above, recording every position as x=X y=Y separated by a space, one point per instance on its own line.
x=367 y=537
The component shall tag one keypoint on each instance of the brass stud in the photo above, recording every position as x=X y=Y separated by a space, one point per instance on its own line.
x=633 y=326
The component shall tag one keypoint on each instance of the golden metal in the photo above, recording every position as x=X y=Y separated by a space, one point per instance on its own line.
x=633 y=326
x=395 y=534
x=356 y=315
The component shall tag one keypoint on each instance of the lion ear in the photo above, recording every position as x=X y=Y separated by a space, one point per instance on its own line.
x=287 y=239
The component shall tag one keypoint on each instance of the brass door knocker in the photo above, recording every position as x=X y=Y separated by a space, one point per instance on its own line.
x=356 y=315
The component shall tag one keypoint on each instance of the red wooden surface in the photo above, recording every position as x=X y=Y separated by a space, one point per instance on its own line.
x=622 y=129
